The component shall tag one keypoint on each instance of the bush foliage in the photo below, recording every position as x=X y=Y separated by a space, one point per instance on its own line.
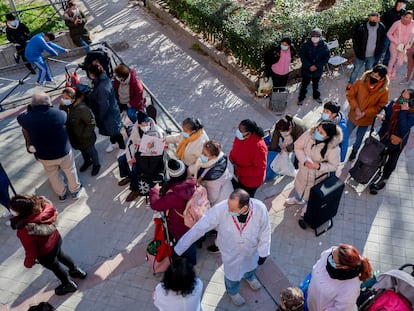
x=247 y=35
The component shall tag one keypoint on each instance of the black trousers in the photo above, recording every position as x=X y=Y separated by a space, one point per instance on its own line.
x=391 y=162
x=304 y=85
x=52 y=262
x=279 y=82
x=119 y=139
x=250 y=190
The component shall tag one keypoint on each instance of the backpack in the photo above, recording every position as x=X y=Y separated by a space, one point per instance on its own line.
x=196 y=206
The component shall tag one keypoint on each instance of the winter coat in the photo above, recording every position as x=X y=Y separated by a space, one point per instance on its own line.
x=37 y=45
x=216 y=176
x=239 y=250
x=77 y=31
x=306 y=149
x=193 y=150
x=80 y=125
x=249 y=160
x=314 y=55
x=136 y=91
x=369 y=102
x=404 y=124
x=272 y=56
x=298 y=128
x=134 y=139
x=18 y=35
x=360 y=39
x=329 y=294
x=38 y=234
x=390 y=17
x=173 y=203
x=104 y=107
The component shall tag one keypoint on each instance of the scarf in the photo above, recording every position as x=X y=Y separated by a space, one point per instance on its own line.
x=376 y=87
x=396 y=108
x=342 y=274
x=185 y=141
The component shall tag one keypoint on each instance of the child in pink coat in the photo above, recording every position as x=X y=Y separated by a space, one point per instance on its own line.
x=400 y=35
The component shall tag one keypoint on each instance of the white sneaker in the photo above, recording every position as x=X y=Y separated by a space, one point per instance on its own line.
x=254 y=284
x=7 y=214
x=49 y=83
x=237 y=299
x=294 y=201
x=111 y=147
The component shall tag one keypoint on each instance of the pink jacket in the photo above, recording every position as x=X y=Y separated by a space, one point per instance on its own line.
x=136 y=91
x=399 y=33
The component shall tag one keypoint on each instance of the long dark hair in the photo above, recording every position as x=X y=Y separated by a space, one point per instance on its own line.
x=284 y=124
x=180 y=277
x=194 y=123
x=331 y=131
x=25 y=205
x=252 y=127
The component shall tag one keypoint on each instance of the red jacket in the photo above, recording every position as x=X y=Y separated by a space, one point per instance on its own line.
x=174 y=201
x=38 y=245
x=249 y=159
x=136 y=91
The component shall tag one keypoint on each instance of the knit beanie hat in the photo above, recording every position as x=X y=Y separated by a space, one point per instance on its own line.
x=176 y=168
x=316 y=32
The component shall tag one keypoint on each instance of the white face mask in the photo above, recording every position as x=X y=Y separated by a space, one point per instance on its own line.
x=315 y=39
x=75 y=12
x=145 y=128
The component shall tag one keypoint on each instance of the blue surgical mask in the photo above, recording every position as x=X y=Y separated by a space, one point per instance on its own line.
x=117 y=78
x=325 y=116
x=234 y=214
x=318 y=136
x=239 y=134
x=67 y=102
x=331 y=261
x=203 y=159
x=284 y=47
x=185 y=135
x=14 y=23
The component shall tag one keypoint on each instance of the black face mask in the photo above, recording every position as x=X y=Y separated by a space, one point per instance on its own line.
x=342 y=274
x=373 y=24
x=373 y=80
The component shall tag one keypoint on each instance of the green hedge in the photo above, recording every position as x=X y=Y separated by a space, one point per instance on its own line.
x=246 y=36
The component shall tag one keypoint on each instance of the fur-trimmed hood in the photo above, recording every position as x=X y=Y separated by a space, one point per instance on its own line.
x=365 y=76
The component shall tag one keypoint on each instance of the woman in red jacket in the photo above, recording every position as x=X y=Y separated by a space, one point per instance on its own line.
x=248 y=155
x=36 y=228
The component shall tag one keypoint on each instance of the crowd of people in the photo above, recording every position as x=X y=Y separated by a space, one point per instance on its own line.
x=238 y=219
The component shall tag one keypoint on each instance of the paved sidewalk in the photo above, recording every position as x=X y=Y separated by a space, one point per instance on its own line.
x=107 y=236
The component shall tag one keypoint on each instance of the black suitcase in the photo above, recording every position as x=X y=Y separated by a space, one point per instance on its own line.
x=323 y=203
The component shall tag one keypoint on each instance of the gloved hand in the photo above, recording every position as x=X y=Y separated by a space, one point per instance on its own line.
x=261 y=260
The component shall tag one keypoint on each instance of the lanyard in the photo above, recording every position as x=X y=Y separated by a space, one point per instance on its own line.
x=240 y=227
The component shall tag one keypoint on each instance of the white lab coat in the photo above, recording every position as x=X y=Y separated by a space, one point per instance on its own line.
x=239 y=251
x=327 y=294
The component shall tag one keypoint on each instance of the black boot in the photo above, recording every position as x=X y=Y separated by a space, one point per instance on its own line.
x=64 y=289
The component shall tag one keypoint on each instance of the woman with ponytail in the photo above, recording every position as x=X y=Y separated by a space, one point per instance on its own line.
x=336 y=279
x=318 y=153
x=248 y=156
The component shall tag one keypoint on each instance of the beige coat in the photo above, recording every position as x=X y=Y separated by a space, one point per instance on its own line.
x=193 y=150
x=305 y=150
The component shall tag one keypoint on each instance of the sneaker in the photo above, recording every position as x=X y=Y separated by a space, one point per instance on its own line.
x=348 y=87
x=213 y=249
x=76 y=194
x=62 y=198
x=294 y=201
x=300 y=102
x=7 y=214
x=124 y=181
x=66 y=289
x=254 y=284
x=111 y=147
x=78 y=273
x=49 y=83
x=95 y=170
x=318 y=100
x=237 y=299
x=352 y=156
x=132 y=196
x=85 y=166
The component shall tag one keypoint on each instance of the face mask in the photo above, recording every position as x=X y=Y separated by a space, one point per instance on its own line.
x=403 y=6
x=284 y=47
x=118 y=79
x=331 y=261
x=234 y=214
x=75 y=12
x=67 y=102
x=14 y=23
x=284 y=133
x=373 y=24
x=325 y=116
x=239 y=134
x=318 y=136
x=315 y=39
x=373 y=80
x=185 y=135
x=145 y=128
x=203 y=159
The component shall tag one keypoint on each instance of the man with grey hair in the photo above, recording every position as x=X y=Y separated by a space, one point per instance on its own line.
x=243 y=237
x=43 y=128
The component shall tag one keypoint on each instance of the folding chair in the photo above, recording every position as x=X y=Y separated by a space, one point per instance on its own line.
x=335 y=59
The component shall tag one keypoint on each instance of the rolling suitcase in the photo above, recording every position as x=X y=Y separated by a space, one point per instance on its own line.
x=323 y=203
x=278 y=100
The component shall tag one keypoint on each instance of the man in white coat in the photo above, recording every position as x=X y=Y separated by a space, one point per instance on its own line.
x=243 y=237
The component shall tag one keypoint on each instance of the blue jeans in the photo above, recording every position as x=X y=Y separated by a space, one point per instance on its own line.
x=358 y=64
x=359 y=134
x=44 y=74
x=232 y=287
x=89 y=154
x=125 y=171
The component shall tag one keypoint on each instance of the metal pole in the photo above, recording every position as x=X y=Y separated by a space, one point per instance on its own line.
x=14 y=8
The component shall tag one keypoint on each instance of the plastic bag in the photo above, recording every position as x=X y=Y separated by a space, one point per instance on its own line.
x=265 y=87
x=283 y=164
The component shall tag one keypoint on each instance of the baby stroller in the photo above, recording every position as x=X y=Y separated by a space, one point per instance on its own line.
x=368 y=166
x=393 y=290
